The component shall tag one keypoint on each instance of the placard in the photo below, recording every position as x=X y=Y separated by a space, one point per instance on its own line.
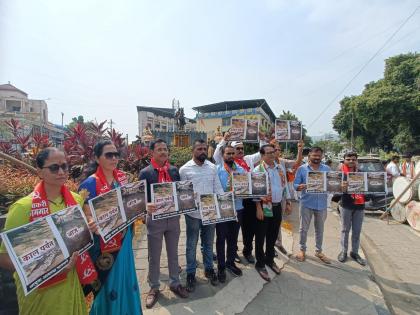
x=253 y=184
x=288 y=130
x=217 y=208
x=245 y=130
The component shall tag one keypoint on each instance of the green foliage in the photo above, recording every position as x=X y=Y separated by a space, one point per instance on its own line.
x=387 y=113
x=332 y=146
x=179 y=156
x=74 y=121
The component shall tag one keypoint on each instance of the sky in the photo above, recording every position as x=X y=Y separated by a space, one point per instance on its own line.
x=101 y=59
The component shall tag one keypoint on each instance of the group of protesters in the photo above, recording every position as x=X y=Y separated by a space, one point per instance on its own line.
x=112 y=282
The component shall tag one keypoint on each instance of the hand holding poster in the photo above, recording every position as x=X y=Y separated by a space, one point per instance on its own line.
x=288 y=130
x=249 y=185
x=109 y=214
x=217 y=208
x=173 y=199
x=246 y=130
x=316 y=182
x=41 y=249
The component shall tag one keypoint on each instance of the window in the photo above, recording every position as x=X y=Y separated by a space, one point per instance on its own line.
x=226 y=122
x=13 y=105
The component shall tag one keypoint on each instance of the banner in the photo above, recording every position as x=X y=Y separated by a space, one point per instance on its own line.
x=288 y=130
x=217 y=208
x=254 y=184
x=41 y=249
x=246 y=130
x=172 y=199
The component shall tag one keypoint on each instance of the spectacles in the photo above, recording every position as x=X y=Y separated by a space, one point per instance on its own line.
x=54 y=168
x=239 y=148
x=111 y=155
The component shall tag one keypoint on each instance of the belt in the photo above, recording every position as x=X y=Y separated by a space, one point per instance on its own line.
x=276 y=204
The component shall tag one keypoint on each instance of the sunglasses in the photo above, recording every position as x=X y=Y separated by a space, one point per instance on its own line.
x=54 y=168
x=111 y=155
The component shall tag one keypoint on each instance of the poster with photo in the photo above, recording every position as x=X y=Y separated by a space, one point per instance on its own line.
x=107 y=210
x=316 y=182
x=173 y=199
x=208 y=209
x=376 y=183
x=185 y=196
x=288 y=130
x=71 y=223
x=295 y=130
x=334 y=182
x=217 y=208
x=40 y=250
x=226 y=206
x=134 y=199
x=248 y=185
x=356 y=183
x=281 y=130
x=237 y=129
x=252 y=130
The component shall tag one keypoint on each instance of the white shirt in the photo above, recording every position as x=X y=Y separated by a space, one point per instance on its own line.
x=204 y=178
x=251 y=159
x=393 y=169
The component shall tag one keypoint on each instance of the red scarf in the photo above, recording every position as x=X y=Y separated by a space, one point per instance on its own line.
x=241 y=162
x=358 y=199
x=102 y=187
x=163 y=171
x=230 y=172
x=40 y=208
x=404 y=169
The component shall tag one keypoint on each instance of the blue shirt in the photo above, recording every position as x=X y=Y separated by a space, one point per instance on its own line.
x=311 y=201
x=224 y=180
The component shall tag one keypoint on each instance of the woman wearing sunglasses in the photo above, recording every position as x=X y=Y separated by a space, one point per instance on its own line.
x=116 y=291
x=63 y=293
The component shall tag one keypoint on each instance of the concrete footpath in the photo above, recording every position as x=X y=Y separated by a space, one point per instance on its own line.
x=393 y=251
x=310 y=287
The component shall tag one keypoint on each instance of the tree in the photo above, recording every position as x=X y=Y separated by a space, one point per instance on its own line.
x=74 y=121
x=387 y=113
x=329 y=146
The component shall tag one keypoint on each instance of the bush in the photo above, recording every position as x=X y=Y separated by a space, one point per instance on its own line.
x=180 y=156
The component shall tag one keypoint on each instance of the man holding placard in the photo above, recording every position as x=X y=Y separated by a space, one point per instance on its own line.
x=311 y=205
x=160 y=171
x=269 y=212
x=204 y=176
x=227 y=232
x=352 y=212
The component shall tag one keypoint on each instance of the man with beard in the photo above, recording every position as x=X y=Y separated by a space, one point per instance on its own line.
x=247 y=162
x=159 y=171
x=227 y=232
x=311 y=205
x=288 y=164
x=352 y=212
x=204 y=176
x=269 y=212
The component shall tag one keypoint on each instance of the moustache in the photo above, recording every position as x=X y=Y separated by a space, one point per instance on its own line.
x=202 y=157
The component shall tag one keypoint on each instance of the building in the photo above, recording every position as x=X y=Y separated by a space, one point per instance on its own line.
x=161 y=121
x=210 y=117
x=32 y=114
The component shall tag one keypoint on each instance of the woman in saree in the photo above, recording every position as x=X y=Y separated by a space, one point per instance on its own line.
x=116 y=291
x=62 y=294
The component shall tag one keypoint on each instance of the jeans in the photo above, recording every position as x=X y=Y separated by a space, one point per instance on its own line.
x=194 y=226
x=305 y=218
x=351 y=220
x=267 y=231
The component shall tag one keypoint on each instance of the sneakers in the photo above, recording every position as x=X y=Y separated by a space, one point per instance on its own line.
x=211 y=275
x=190 y=286
x=358 y=259
x=323 y=258
x=342 y=257
x=234 y=270
x=221 y=275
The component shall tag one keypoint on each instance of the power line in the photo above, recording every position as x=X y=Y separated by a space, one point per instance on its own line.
x=365 y=65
